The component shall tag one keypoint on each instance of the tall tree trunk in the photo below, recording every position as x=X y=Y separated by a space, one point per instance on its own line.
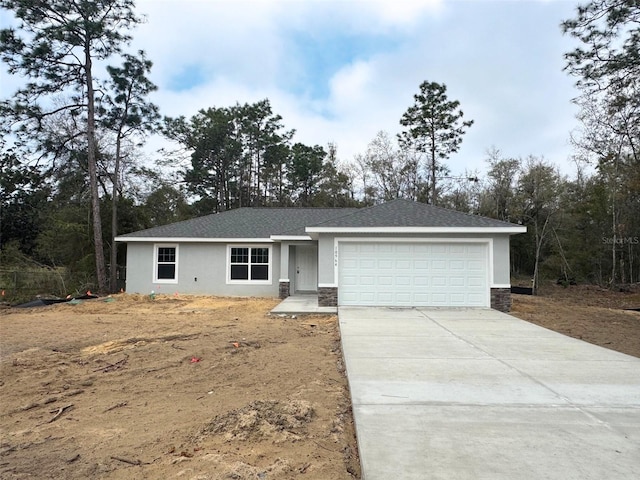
x=434 y=195
x=540 y=236
x=614 y=229
x=101 y=273
x=221 y=180
x=113 y=271
x=630 y=262
x=612 y=279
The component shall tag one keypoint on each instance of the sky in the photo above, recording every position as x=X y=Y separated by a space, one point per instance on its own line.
x=341 y=71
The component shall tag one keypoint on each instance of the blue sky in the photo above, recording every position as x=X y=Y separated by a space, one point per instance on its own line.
x=340 y=71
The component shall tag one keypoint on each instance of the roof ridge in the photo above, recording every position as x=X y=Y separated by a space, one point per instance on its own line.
x=358 y=210
x=477 y=215
x=270 y=207
x=332 y=218
x=363 y=210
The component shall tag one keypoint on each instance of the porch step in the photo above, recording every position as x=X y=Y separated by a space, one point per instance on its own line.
x=302 y=304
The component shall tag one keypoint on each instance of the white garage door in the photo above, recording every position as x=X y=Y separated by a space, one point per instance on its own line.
x=413 y=274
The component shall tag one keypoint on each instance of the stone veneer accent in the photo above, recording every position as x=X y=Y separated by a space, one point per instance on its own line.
x=501 y=299
x=284 y=289
x=327 y=296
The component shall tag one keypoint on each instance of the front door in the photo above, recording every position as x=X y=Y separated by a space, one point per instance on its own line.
x=307 y=268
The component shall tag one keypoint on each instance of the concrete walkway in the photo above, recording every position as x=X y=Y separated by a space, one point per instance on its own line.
x=476 y=394
x=300 y=304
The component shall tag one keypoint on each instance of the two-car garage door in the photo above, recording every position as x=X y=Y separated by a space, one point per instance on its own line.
x=413 y=274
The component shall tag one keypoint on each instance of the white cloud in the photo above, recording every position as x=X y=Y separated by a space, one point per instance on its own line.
x=405 y=12
x=501 y=60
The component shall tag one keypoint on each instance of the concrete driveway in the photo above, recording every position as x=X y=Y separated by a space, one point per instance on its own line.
x=478 y=394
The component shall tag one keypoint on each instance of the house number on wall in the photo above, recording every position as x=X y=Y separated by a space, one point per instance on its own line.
x=335 y=256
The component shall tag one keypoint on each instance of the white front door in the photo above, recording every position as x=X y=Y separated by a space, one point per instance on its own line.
x=306 y=268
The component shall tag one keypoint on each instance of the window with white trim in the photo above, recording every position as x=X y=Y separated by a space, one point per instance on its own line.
x=165 y=269
x=249 y=264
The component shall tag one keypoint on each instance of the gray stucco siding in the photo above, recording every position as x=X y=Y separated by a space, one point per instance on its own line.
x=139 y=267
x=326 y=260
x=501 y=260
x=499 y=253
x=201 y=269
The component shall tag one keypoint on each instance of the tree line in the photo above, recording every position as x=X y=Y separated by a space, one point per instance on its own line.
x=72 y=175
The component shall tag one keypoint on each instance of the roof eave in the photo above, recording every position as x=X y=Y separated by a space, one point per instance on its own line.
x=290 y=238
x=125 y=239
x=509 y=229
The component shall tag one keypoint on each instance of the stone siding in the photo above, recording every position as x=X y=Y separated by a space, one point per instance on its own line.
x=327 y=297
x=501 y=299
x=284 y=289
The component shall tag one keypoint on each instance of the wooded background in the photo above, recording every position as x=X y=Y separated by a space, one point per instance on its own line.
x=75 y=172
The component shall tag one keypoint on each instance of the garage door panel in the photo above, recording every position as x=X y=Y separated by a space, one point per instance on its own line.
x=350 y=298
x=421 y=298
x=456 y=264
x=458 y=298
x=420 y=265
x=457 y=249
x=350 y=280
x=349 y=263
x=439 y=299
x=438 y=265
x=476 y=298
x=403 y=264
x=475 y=265
x=367 y=264
x=438 y=281
x=385 y=297
x=421 y=248
x=404 y=249
x=420 y=274
x=385 y=264
x=367 y=297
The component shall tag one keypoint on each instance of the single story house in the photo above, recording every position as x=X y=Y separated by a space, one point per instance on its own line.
x=400 y=253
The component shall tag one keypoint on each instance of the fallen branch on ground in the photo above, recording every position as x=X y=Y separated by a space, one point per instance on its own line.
x=112 y=366
x=118 y=405
x=60 y=411
x=326 y=448
x=130 y=462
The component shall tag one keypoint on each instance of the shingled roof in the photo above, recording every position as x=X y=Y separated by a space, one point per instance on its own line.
x=265 y=222
x=406 y=213
x=261 y=222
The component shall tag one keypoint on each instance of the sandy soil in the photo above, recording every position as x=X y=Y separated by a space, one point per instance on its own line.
x=176 y=387
x=208 y=388
x=590 y=313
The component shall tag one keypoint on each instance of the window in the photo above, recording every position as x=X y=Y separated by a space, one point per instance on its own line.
x=249 y=264
x=166 y=264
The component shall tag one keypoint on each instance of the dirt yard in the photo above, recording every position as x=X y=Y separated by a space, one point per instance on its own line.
x=587 y=312
x=174 y=387
x=208 y=388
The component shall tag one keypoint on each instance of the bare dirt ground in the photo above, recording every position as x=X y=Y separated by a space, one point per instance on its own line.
x=176 y=387
x=590 y=313
x=209 y=388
